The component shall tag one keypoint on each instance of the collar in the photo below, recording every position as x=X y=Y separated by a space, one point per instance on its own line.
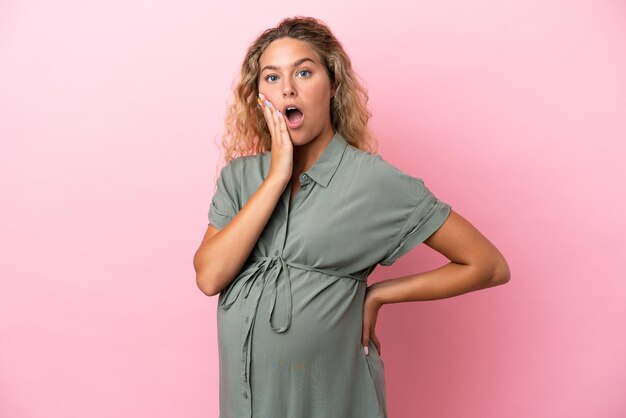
x=326 y=165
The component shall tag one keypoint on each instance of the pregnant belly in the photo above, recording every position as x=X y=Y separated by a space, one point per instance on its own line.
x=315 y=368
x=326 y=316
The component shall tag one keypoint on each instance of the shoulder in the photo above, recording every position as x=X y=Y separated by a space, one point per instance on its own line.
x=357 y=158
x=244 y=161
x=237 y=168
x=377 y=171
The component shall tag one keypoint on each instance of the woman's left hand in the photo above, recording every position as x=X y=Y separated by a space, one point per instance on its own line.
x=370 y=313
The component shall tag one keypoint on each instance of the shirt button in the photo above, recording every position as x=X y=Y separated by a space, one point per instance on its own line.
x=245 y=395
x=259 y=284
x=304 y=177
x=276 y=252
x=246 y=320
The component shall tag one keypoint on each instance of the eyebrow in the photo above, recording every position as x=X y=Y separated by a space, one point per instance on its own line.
x=300 y=61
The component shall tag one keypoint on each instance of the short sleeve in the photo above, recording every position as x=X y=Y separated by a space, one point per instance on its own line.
x=223 y=205
x=425 y=215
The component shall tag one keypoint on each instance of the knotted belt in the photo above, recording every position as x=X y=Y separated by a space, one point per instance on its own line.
x=277 y=266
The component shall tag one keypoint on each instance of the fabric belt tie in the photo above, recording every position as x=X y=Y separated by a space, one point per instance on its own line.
x=277 y=266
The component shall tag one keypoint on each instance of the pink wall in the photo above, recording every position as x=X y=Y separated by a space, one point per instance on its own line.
x=514 y=112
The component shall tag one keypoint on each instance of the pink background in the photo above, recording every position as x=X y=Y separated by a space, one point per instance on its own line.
x=514 y=112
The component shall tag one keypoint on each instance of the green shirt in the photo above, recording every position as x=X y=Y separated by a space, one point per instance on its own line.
x=290 y=323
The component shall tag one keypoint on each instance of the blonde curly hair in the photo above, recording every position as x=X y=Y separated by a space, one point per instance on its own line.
x=246 y=130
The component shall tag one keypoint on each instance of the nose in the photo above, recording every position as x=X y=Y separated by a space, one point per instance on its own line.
x=288 y=88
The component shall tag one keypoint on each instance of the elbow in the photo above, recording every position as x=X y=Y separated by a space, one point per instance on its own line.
x=206 y=289
x=206 y=284
x=205 y=277
x=501 y=273
x=494 y=272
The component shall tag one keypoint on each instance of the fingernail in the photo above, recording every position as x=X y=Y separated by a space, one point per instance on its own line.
x=268 y=103
x=367 y=350
x=278 y=111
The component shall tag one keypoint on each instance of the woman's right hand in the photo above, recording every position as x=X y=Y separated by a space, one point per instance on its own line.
x=281 y=165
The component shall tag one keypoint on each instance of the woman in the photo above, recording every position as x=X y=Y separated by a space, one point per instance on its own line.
x=300 y=219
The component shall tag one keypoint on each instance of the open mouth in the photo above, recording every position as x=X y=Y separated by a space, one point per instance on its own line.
x=294 y=116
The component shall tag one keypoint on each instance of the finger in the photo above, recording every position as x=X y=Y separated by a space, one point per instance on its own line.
x=377 y=344
x=261 y=106
x=274 y=118
x=365 y=337
x=276 y=114
x=283 y=128
x=267 y=112
x=264 y=110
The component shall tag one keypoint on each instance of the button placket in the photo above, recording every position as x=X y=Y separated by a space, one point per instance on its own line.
x=305 y=183
x=250 y=307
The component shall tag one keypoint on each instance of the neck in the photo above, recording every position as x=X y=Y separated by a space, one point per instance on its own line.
x=304 y=156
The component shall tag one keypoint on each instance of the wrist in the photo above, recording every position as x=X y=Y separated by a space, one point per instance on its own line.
x=277 y=181
x=374 y=296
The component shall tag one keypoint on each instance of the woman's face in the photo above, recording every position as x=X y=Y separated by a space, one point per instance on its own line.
x=305 y=85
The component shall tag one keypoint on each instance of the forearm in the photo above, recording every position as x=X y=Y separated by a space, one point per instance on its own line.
x=449 y=280
x=219 y=259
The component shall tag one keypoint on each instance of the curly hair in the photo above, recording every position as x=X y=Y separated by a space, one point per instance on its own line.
x=246 y=130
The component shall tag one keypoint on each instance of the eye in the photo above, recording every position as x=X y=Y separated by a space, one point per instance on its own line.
x=267 y=77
